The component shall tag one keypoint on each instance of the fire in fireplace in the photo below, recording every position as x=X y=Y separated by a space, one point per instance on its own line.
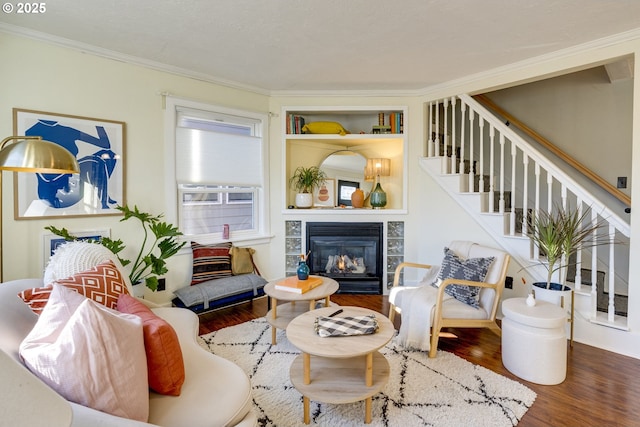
x=344 y=264
x=350 y=253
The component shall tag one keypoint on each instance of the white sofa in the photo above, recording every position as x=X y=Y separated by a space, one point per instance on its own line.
x=216 y=392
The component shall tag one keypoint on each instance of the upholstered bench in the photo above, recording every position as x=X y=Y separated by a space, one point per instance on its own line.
x=221 y=292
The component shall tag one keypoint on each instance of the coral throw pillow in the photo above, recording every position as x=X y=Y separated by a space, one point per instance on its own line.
x=210 y=262
x=90 y=355
x=102 y=283
x=165 y=364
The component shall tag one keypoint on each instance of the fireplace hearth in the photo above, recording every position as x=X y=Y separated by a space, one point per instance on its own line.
x=350 y=253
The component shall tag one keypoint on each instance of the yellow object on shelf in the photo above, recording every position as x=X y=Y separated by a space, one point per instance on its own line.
x=324 y=128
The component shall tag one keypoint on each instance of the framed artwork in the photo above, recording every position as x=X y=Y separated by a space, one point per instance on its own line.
x=52 y=241
x=99 y=147
x=345 y=189
x=326 y=194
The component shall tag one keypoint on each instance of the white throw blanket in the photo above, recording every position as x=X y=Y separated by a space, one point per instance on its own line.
x=418 y=303
x=416 y=317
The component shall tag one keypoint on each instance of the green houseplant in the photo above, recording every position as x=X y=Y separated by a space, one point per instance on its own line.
x=304 y=181
x=160 y=242
x=559 y=234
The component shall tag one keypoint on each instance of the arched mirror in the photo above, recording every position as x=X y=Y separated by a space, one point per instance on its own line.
x=346 y=168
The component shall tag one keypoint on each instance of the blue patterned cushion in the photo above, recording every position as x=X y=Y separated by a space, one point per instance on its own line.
x=474 y=269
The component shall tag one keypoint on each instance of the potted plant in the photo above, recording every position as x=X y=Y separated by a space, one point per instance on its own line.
x=304 y=181
x=151 y=259
x=559 y=234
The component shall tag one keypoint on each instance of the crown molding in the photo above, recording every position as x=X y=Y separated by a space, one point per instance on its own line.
x=129 y=59
x=346 y=93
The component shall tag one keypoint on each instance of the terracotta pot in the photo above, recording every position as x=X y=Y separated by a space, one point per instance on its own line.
x=357 y=198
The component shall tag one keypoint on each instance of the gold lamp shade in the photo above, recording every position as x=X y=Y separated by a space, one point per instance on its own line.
x=378 y=167
x=33 y=154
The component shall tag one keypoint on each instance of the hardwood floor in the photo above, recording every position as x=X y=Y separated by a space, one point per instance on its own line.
x=601 y=388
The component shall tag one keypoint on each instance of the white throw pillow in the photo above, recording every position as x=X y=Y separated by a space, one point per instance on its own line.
x=75 y=257
x=90 y=355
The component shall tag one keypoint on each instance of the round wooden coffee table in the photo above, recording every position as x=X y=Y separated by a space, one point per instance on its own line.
x=343 y=369
x=280 y=315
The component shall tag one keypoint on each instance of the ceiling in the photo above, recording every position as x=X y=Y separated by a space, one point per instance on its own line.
x=328 y=45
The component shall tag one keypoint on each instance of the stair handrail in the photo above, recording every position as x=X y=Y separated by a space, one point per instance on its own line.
x=597 y=206
x=597 y=179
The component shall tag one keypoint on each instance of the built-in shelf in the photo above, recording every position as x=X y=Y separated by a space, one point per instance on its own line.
x=312 y=149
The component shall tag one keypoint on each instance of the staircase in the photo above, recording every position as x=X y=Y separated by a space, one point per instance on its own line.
x=496 y=175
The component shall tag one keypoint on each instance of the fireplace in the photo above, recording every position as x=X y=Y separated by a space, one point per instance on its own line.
x=348 y=252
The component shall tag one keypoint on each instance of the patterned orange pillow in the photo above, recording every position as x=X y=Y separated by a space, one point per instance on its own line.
x=102 y=283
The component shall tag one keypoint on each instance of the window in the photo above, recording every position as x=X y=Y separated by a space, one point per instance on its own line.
x=219 y=171
x=204 y=209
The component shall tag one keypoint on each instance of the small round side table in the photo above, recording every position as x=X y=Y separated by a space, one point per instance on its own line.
x=280 y=315
x=534 y=341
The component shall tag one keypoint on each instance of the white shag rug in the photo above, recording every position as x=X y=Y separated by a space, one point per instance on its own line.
x=439 y=392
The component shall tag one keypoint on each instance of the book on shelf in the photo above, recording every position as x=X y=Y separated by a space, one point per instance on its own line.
x=295 y=124
x=293 y=284
x=395 y=125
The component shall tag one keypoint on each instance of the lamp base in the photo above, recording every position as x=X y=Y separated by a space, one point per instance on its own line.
x=378 y=198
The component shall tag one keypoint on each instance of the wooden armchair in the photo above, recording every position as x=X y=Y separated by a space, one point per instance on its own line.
x=450 y=312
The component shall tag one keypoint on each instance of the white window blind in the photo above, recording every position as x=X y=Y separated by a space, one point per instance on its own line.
x=206 y=157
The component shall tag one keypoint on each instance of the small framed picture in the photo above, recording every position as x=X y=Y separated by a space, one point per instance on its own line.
x=52 y=241
x=345 y=189
x=325 y=195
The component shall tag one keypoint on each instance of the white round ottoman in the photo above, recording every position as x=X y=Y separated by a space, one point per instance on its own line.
x=534 y=342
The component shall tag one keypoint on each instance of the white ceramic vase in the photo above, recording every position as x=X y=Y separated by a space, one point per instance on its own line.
x=531 y=301
x=304 y=200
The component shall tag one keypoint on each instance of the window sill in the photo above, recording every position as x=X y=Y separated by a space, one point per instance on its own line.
x=238 y=241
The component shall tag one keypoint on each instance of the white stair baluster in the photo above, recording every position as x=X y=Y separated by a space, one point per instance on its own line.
x=437 y=138
x=512 y=208
x=463 y=110
x=501 y=176
x=430 y=140
x=445 y=133
x=492 y=189
x=481 y=154
x=612 y=284
x=536 y=249
x=578 y=278
x=472 y=172
x=454 y=158
x=594 y=269
x=525 y=193
x=549 y=191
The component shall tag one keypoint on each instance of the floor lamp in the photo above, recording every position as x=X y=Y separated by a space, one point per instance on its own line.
x=32 y=154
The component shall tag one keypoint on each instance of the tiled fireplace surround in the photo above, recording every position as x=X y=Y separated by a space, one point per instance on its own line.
x=391 y=248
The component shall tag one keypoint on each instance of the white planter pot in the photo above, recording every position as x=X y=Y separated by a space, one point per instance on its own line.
x=304 y=200
x=554 y=296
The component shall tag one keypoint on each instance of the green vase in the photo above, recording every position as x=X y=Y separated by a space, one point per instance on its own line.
x=378 y=198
